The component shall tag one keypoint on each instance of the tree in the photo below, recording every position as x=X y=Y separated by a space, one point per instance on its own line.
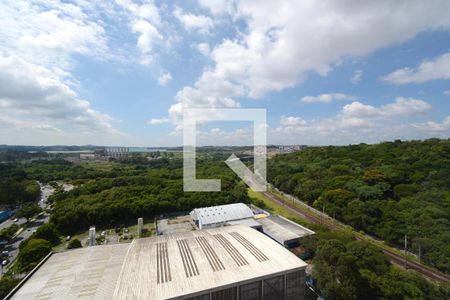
x=47 y=232
x=6 y=285
x=29 y=210
x=8 y=233
x=30 y=255
x=75 y=243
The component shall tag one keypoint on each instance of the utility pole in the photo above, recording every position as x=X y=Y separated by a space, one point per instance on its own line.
x=406 y=246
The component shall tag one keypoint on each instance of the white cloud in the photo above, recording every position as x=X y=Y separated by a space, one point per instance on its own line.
x=157 y=121
x=203 y=48
x=357 y=76
x=221 y=137
x=400 y=107
x=49 y=33
x=47 y=127
x=327 y=98
x=200 y=23
x=208 y=92
x=360 y=110
x=266 y=58
x=148 y=34
x=437 y=68
x=164 y=78
x=358 y=122
x=40 y=43
x=144 y=20
x=217 y=7
x=435 y=127
x=33 y=93
x=291 y=121
x=405 y=106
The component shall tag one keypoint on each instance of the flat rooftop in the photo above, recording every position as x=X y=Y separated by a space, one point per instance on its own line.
x=88 y=273
x=162 y=267
x=222 y=213
x=282 y=229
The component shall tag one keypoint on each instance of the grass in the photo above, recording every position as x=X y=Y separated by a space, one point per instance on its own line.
x=275 y=208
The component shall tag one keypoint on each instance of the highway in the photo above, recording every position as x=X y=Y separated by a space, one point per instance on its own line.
x=394 y=258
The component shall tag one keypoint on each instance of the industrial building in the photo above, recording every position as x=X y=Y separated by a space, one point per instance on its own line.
x=283 y=231
x=214 y=216
x=229 y=262
x=117 y=152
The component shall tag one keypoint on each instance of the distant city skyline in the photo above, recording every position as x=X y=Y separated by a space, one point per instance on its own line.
x=119 y=73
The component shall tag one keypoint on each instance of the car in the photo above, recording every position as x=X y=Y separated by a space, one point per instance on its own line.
x=5 y=262
x=68 y=238
x=16 y=220
x=5 y=252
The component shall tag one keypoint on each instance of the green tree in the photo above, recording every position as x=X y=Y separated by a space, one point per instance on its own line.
x=6 y=285
x=75 y=243
x=30 y=255
x=29 y=210
x=49 y=232
x=8 y=233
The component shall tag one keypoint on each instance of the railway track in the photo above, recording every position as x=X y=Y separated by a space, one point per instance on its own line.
x=395 y=258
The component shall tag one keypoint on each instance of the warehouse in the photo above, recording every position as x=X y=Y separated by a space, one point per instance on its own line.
x=283 y=231
x=231 y=262
x=214 y=216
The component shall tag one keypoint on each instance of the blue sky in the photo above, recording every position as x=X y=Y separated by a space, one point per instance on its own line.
x=120 y=72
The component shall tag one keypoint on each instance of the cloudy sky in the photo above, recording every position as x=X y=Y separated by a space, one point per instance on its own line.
x=121 y=72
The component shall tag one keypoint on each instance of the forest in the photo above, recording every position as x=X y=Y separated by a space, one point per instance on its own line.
x=345 y=268
x=387 y=190
x=130 y=189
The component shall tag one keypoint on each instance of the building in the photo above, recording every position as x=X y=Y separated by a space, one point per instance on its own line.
x=117 y=152
x=214 y=216
x=230 y=262
x=87 y=156
x=5 y=214
x=283 y=231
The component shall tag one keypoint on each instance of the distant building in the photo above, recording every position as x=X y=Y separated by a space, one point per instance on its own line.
x=117 y=152
x=231 y=262
x=87 y=156
x=215 y=216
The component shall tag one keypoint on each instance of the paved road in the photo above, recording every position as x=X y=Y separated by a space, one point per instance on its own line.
x=393 y=257
x=31 y=227
x=10 y=221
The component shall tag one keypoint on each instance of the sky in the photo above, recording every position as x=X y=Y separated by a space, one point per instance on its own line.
x=121 y=73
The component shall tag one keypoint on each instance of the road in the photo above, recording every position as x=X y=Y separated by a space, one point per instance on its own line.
x=29 y=228
x=393 y=257
x=10 y=221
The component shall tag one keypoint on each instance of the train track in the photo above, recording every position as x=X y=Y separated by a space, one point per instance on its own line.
x=394 y=258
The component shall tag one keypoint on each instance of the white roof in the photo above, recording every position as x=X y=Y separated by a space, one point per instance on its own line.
x=88 y=273
x=170 y=266
x=162 y=267
x=250 y=222
x=282 y=229
x=222 y=213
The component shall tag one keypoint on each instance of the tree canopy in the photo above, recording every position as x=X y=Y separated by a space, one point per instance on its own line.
x=388 y=190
